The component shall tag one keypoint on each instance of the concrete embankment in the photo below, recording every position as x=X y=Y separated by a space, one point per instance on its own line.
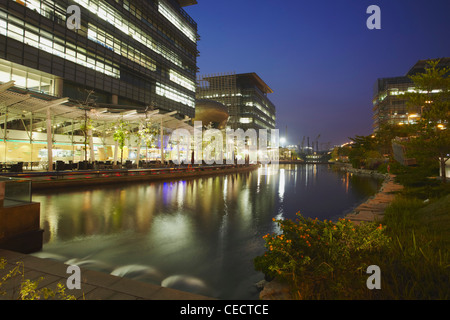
x=97 y=177
x=373 y=209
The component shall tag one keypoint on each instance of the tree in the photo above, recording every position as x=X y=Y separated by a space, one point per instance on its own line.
x=387 y=132
x=147 y=133
x=361 y=147
x=432 y=97
x=120 y=135
x=86 y=126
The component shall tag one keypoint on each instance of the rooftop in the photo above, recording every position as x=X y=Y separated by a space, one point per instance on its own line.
x=185 y=3
x=420 y=65
x=256 y=80
x=251 y=78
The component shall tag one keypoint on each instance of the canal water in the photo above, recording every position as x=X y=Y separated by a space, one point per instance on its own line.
x=198 y=235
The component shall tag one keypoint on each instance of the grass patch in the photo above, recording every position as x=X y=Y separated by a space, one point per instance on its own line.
x=418 y=265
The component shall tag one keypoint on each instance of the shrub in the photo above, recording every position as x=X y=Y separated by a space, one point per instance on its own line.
x=29 y=289
x=321 y=259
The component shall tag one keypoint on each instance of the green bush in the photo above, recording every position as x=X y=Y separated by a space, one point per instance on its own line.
x=29 y=289
x=418 y=263
x=321 y=259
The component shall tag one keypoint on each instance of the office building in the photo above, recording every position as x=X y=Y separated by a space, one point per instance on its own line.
x=246 y=97
x=63 y=89
x=125 y=53
x=389 y=103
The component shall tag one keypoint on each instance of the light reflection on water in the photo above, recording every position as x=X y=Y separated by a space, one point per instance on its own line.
x=199 y=235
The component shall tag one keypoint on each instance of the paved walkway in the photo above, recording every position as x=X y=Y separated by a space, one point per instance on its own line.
x=94 y=285
x=373 y=209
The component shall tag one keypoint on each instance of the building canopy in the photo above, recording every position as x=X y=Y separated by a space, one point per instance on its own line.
x=16 y=103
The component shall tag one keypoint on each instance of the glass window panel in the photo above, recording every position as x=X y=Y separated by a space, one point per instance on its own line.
x=81 y=57
x=16 y=21
x=3 y=27
x=15 y=29
x=46 y=85
x=33 y=82
x=70 y=52
x=58 y=47
x=31 y=36
x=5 y=73
x=20 y=77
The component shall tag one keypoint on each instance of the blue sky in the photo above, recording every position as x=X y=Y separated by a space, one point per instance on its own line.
x=318 y=56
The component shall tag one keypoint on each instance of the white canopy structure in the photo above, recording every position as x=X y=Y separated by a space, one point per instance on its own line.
x=58 y=116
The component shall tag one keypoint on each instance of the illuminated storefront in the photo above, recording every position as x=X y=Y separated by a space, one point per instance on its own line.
x=37 y=128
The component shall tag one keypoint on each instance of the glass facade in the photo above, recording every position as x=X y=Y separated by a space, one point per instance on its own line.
x=26 y=77
x=141 y=52
x=389 y=107
x=245 y=95
x=389 y=101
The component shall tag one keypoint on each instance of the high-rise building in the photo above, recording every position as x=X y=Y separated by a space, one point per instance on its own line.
x=246 y=97
x=389 y=103
x=130 y=53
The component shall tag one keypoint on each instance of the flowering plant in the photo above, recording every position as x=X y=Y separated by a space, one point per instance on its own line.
x=310 y=253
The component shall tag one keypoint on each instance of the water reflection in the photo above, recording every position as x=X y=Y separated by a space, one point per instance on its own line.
x=186 y=233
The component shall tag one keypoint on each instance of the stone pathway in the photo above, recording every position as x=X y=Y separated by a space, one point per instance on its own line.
x=94 y=285
x=373 y=209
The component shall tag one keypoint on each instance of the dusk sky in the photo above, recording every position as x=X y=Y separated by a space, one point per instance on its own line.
x=319 y=57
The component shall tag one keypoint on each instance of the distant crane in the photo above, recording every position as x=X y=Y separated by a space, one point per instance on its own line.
x=316 y=142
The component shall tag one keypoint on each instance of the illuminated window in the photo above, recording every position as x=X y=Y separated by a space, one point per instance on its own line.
x=97 y=35
x=173 y=17
x=181 y=80
x=246 y=120
x=112 y=16
x=23 y=77
x=50 y=45
x=175 y=95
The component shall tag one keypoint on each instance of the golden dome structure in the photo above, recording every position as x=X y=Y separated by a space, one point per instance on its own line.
x=211 y=112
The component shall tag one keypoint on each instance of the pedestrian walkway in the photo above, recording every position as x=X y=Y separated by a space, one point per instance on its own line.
x=94 y=285
x=373 y=209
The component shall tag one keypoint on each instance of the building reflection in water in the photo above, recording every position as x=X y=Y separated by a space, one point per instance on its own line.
x=208 y=228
